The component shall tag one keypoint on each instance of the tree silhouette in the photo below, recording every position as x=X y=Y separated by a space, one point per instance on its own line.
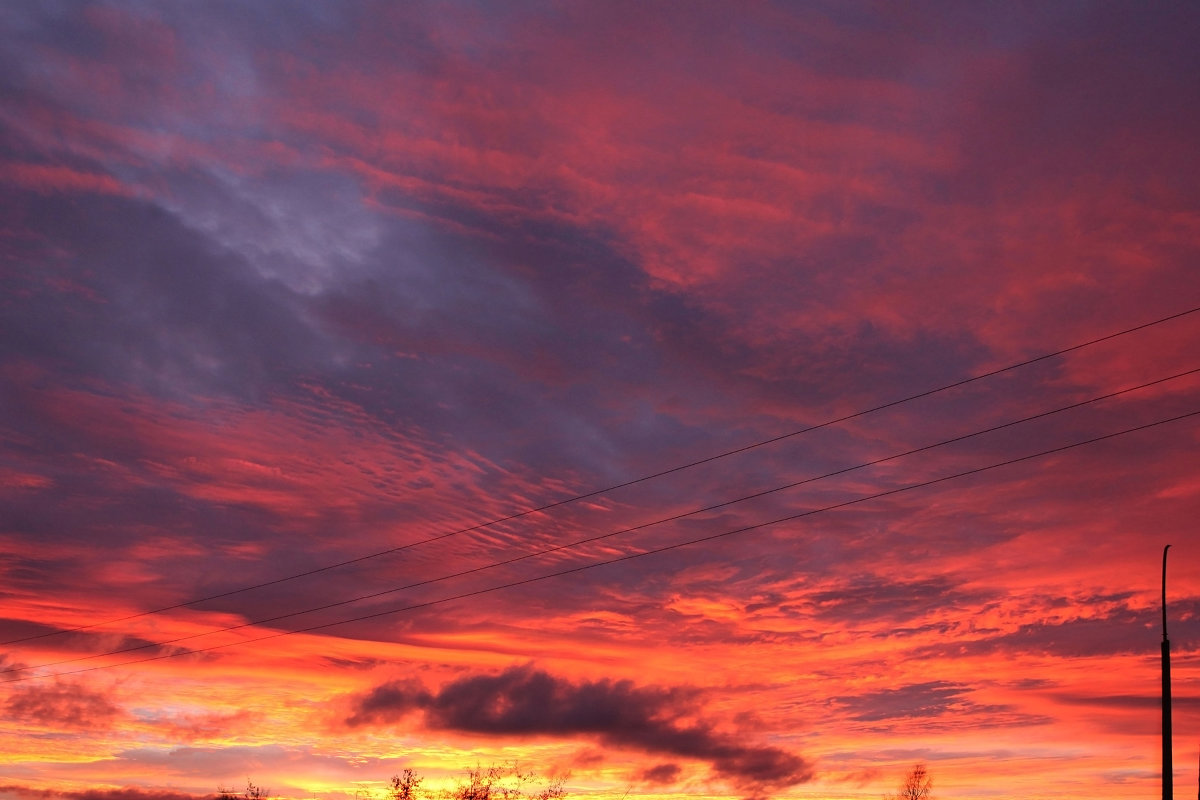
x=405 y=785
x=507 y=782
x=251 y=792
x=917 y=785
x=503 y=782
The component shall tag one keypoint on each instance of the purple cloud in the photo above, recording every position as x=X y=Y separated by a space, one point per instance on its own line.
x=523 y=701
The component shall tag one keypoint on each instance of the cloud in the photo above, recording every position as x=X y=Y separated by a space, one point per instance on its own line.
x=930 y=699
x=661 y=774
x=63 y=705
x=85 y=642
x=196 y=727
x=1120 y=629
x=933 y=706
x=302 y=282
x=1133 y=702
x=10 y=668
x=874 y=597
x=127 y=793
x=523 y=701
x=52 y=178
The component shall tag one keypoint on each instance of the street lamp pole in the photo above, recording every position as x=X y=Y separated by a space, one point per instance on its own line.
x=1168 y=770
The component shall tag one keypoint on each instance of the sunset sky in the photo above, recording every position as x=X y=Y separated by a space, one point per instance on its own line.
x=414 y=286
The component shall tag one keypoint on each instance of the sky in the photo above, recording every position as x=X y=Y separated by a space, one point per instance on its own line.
x=720 y=400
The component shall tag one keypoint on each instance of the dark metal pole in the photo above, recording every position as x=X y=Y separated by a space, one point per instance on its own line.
x=1168 y=768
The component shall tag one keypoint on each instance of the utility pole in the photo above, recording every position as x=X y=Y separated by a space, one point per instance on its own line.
x=1168 y=769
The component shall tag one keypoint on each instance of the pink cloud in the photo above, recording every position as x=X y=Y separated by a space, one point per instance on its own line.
x=52 y=178
x=62 y=706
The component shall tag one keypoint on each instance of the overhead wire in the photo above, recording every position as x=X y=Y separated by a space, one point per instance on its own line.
x=611 y=534
x=633 y=529
x=618 y=559
x=614 y=487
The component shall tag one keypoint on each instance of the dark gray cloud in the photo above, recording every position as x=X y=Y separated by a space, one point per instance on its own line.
x=523 y=701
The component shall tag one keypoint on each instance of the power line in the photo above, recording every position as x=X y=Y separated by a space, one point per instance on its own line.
x=628 y=556
x=614 y=487
x=609 y=535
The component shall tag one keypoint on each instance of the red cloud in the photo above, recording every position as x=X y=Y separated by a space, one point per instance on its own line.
x=62 y=706
x=54 y=178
